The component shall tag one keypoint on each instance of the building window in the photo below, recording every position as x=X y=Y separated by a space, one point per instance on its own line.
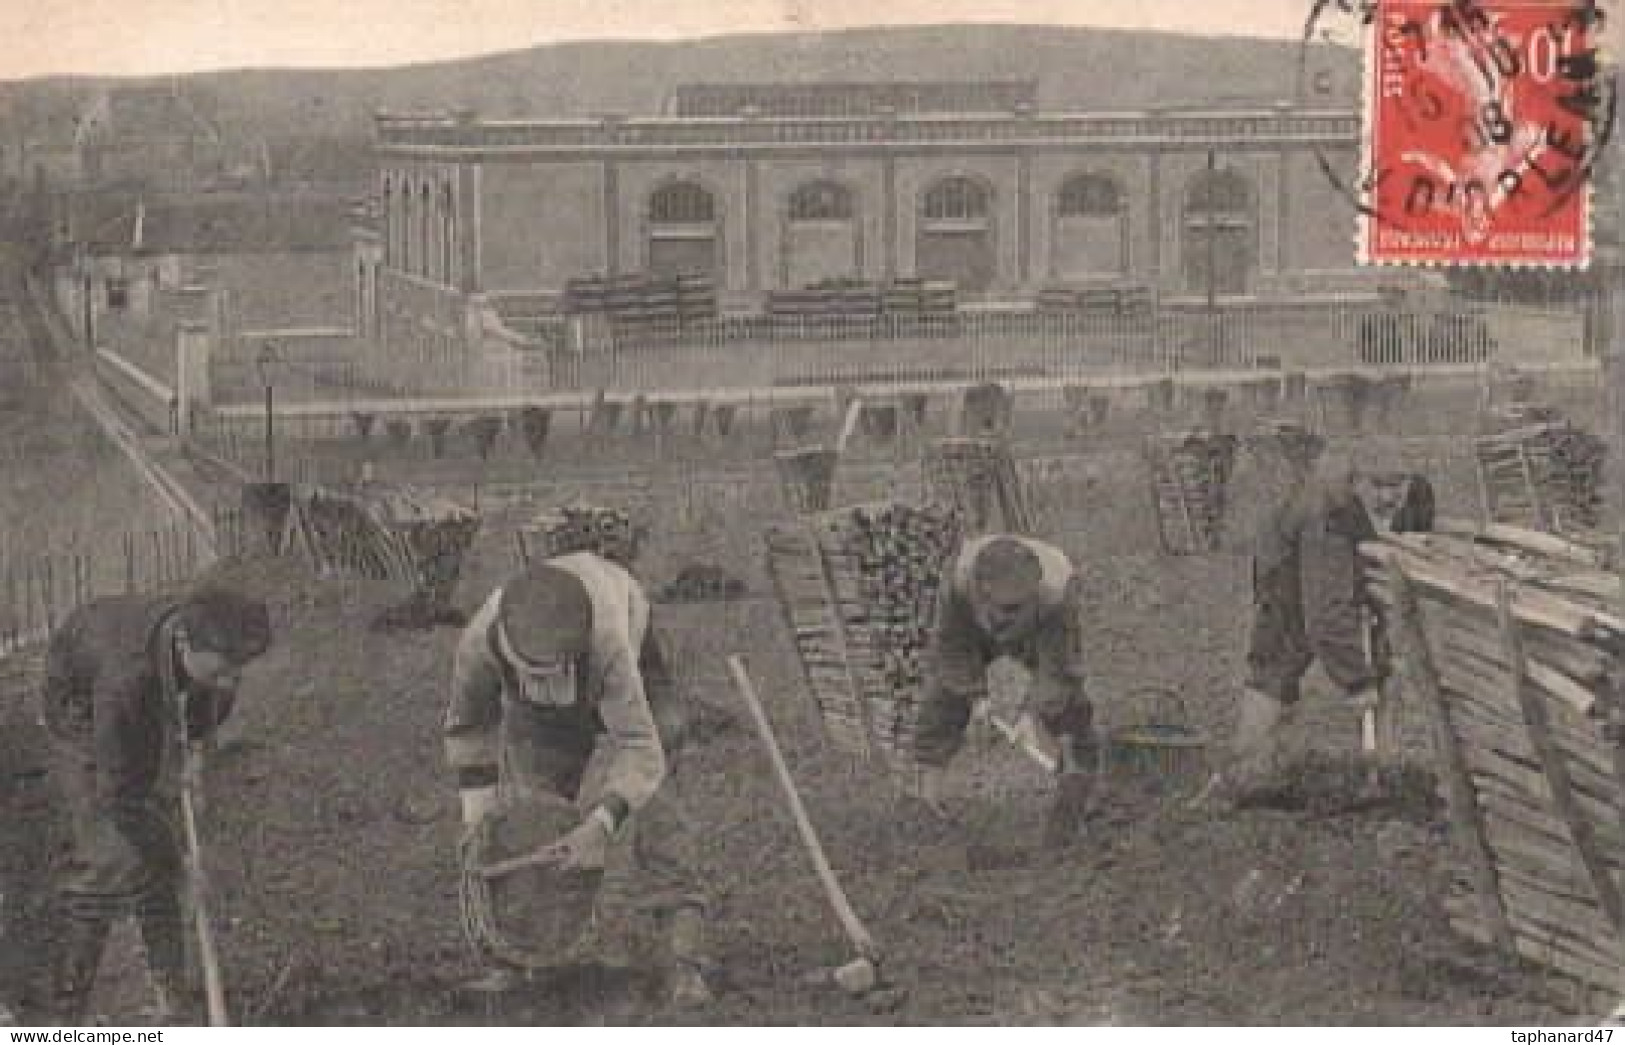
x=821 y=201
x=957 y=199
x=1220 y=234
x=683 y=203
x=1090 y=235
x=683 y=231
x=1089 y=196
x=118 y=293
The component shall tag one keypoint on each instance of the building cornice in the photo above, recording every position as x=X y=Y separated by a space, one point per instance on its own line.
x=462 y=139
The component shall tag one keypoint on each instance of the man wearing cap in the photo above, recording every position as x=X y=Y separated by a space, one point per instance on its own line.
x=557 y=657
x=132 y=684
x=1016 y=597
x=1308 y=605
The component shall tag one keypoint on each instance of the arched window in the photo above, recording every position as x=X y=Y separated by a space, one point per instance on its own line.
x=1088 y=196
x=954 y=241
x=957 y=199
x=448 y=236
x=392 y=220
x=683 y=232
x=1220 y=233
x=821 y=201
x=425 y=231
x=682 y=203
x=1089 y=239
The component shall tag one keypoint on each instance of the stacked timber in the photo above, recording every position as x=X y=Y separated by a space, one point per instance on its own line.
x=978 y=480
x=385 y=532
x=1190 y=479
x=605 y=531
x=1135 y=301
x=642 y=298
x=1511 y=642
x=858 y=588
x=855 y=299
x=1544 y=474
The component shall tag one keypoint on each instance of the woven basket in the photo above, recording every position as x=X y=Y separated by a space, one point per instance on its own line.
x=1160 y=743
x=533 y=918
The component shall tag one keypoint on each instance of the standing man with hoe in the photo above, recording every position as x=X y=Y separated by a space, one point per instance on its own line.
x=133 y=685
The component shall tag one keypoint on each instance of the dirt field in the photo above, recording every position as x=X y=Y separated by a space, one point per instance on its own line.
x=331 y=831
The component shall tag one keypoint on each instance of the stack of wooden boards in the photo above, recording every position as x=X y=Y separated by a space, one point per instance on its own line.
x=978 y=479
x=608 y=532
x=1541 y=471
x=858 y=588
x=1510 y=639
x=643 y=298
x=1190 y=478
x=384 y=532
x=855 y=299
x=1135 y=301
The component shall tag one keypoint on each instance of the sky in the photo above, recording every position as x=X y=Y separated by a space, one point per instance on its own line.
x=154 y=37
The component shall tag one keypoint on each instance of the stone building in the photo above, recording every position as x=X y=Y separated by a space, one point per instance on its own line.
x=763 y=189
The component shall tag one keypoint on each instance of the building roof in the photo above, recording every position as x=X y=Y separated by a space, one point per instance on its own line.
x=825 y=98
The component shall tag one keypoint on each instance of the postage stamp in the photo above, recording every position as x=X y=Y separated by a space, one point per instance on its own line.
x=1483 y=121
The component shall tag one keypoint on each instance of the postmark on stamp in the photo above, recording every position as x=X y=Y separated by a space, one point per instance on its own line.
x=1482 y=124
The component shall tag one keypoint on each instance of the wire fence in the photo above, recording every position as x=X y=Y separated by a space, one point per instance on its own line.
x=39 y=590
x=766 y=352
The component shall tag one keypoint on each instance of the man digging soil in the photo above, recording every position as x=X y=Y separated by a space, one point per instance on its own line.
x=1015 y=597
x=558 y=658
x=131 y=684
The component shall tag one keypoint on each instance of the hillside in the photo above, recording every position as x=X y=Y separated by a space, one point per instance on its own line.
x=1076 y=69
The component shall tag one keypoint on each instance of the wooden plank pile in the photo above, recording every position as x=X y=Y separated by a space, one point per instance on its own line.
x=1132 y=300
x=643 y=298
x=606 y=531
x=1509 y=639
x=1542 y=472
x=856 y=299
x=978 y=479
x=858 y=588
x=1190 y=475
x=384 y=532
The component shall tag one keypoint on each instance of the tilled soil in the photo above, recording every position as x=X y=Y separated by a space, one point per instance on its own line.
x=331 y=832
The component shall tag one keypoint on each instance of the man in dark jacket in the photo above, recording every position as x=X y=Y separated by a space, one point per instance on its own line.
x=130 y=684
x=1308 y=606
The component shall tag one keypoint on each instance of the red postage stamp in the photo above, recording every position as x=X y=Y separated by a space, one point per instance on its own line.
x=1483 y=120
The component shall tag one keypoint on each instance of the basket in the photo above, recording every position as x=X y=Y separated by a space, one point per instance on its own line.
x=536 y=917
x=807 y=478
x=1160 y=744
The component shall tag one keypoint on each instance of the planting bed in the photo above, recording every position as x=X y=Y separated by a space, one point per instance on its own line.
x=331 y=829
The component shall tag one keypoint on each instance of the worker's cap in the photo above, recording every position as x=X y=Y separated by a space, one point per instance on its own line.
x=226 y=622
x=544 y=615
x=1007 y=571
